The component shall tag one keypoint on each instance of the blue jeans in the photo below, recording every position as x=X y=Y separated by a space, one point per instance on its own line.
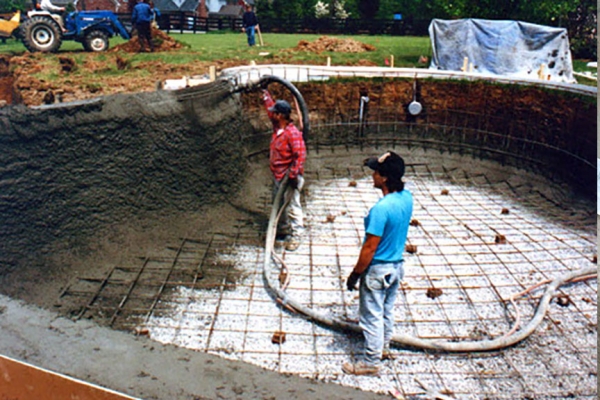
x=250 y=34
x=378 y=291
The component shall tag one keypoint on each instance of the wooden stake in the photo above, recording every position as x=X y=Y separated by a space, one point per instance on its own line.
x=260 y=39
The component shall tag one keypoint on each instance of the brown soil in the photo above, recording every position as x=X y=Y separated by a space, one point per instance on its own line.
x=6 y=81
x=326 y=43
x=78 y=76
x=162 y=42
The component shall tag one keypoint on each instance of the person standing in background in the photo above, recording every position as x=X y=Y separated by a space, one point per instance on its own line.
x=249 y=24
x=141 y=18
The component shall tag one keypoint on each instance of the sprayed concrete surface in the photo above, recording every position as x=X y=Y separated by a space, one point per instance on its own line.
x=141 y=367
x=137 y=176
x=198 y=334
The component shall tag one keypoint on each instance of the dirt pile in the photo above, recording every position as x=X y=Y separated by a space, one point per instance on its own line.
x=6 y=82
x=326 y=43
x=162 y=42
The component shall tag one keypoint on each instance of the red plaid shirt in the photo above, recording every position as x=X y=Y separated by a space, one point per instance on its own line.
x=287 y=150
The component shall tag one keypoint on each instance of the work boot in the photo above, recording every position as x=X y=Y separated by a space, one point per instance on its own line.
x=387 y=354
x=360 y=368
x=292 y=243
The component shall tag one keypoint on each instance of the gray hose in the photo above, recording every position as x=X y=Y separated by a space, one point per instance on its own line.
x=404 y=340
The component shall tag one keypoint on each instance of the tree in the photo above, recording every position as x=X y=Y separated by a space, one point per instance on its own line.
x=333 y=9
x=13 y=5
x=368 y=8
x=291 y=9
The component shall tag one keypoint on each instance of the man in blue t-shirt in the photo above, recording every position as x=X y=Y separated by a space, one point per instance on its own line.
x=380 y=263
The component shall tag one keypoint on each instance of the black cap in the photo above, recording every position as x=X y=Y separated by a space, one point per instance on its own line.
x=281 y=107
x=388 y=164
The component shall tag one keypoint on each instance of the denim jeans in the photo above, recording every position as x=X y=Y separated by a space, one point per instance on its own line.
x=378 y=291
x=292 y=219
x=250 y=34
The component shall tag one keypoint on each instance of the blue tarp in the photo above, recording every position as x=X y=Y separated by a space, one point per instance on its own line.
x=506 y=48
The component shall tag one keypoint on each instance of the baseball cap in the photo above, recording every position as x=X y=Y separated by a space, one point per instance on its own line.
x=388 y=164
x=281 y=107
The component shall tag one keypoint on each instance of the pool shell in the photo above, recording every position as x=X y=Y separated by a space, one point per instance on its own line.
x=174 y=130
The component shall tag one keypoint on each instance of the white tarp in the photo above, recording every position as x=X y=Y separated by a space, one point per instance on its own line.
x=506 y=48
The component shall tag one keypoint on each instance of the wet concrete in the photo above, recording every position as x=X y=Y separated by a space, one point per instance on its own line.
x=73 y=174
x=141 y=367
x=71 y=171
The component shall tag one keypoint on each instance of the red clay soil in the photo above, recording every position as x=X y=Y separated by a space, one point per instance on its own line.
x=162 y=42
x=6 y=81
x=326 y=43
x=35 y=79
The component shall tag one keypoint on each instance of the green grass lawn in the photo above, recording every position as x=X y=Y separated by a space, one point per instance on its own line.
x=279 y=48
x=406 y=50
x=221 y=46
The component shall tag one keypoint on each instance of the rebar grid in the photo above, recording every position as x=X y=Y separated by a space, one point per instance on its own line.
x=208 y=293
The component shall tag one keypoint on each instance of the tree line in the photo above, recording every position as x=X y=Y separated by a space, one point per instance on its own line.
x=579 y=17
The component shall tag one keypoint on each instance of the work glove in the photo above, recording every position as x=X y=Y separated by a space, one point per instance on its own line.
x=352 y=281
x=265 y=94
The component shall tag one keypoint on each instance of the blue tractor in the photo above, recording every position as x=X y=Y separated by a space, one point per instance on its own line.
x=44 y=31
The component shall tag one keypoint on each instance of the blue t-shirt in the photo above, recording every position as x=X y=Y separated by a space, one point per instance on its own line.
x=389 y=219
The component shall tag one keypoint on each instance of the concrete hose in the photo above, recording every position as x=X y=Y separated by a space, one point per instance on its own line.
x=513 y=337
x=404 y=340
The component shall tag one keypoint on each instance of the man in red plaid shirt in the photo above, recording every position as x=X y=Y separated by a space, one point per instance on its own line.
x=287 y=156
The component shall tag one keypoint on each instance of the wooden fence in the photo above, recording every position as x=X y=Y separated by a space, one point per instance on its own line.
x=188 y=22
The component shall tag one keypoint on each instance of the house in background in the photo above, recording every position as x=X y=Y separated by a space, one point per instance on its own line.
x=228 y=11
x=117 y=6
x=200 y=8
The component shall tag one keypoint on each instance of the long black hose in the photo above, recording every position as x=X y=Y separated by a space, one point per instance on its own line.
x=398 y=339
x=264 y=82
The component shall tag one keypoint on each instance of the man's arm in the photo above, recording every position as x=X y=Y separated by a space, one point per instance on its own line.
x=366 y=253
x=268 y=101
x=48 y=6
x=365 y=257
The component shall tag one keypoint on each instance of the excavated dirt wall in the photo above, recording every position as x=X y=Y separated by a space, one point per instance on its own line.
x=549 y=131
x=71 y=172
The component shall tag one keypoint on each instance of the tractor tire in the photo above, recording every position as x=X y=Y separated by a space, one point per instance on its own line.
x=96 y=40
x=41 y=34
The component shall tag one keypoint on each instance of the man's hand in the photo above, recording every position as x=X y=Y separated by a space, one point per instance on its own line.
x=293 y=182
x=352 y=281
